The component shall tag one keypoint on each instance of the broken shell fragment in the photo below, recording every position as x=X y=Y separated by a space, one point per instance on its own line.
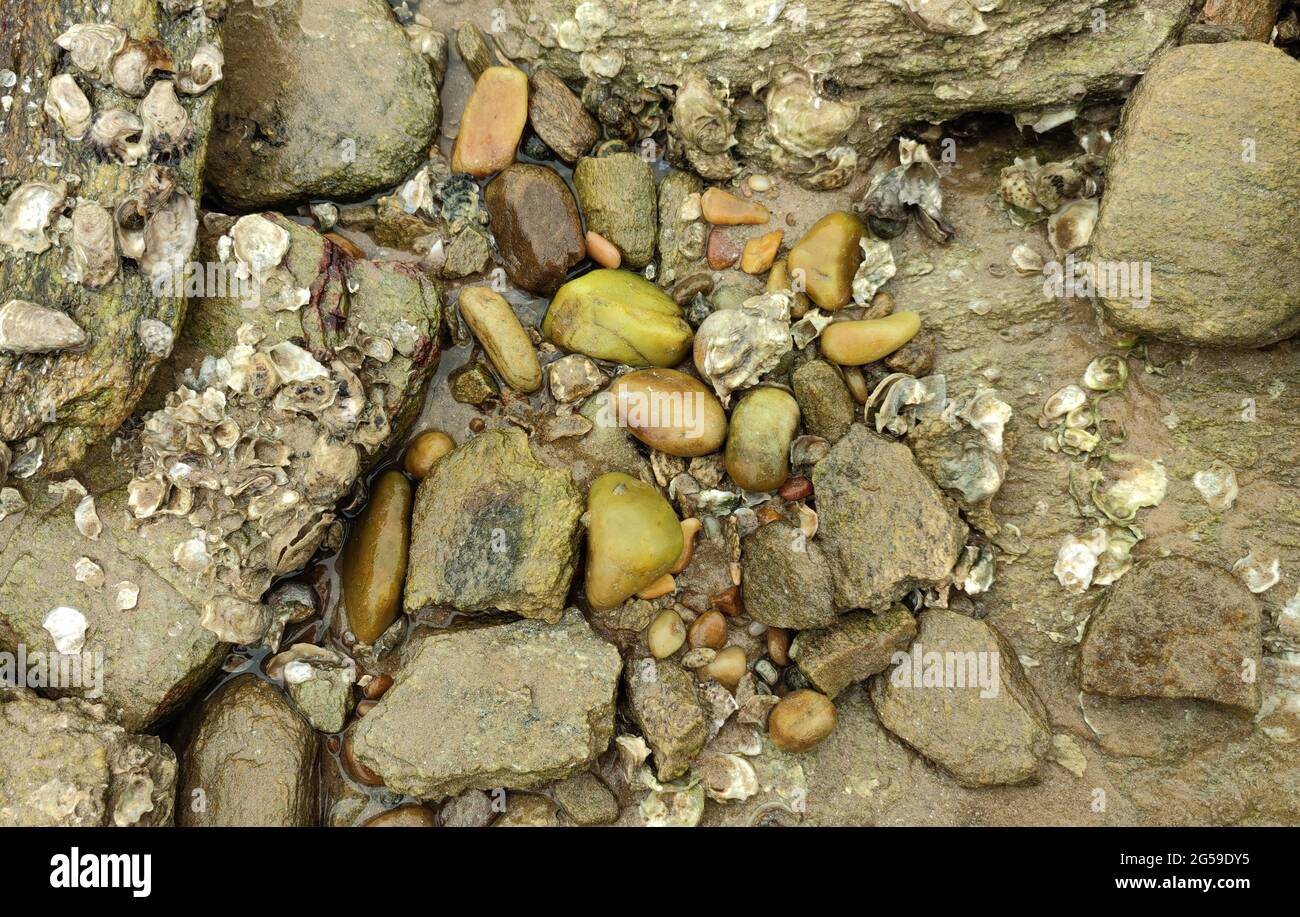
x=1062 y=402
x=28 y=328
x=203 y=72
x=1258 y=573
x=67 y=106
x=1070 y=228
x=1217 y=484
x=1106 y=374
x=67 y=628
x=235 y=620
x=874 y=272
x=726 y=777
x=115 y=135
x=1075 y=564
x=136 y=62
x=127 y=595
x=1026 y=261
x=87 y=518
x=945 y=17
x=157 y=337
x=87 y=571
x=259 y=245
x=94 y=245
x=27 y=213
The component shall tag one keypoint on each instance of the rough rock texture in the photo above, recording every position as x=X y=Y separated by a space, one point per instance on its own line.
x=493 y=528
x=663 y=703
x=1175 y=627
x=676 y=259
x=825 y=404
x=1031 y=55
x=586 y=800
x=856 y=647
x=528 y=810
x=787 y=578
x=536 y=225
x=62 y=765
x=70 y=400
x=617 y=194
x=1202 y=185
x=884 y=526
x=1252 y=19
x=511 y=705
x=982 y=735
x=324 y=99
x=252 y=756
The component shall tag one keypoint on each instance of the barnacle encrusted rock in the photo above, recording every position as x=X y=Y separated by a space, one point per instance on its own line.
x=663 y=702
x=67 y=401
x=249 y=760
x=62 y=765
x=494 y=528
x=962 y=700
x=323 y=99
x=885 y=527
x=512 y=705
x=868 y=58
x=1175 y=627
x=1201 y=188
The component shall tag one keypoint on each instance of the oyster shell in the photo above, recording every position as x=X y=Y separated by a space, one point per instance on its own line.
x=876 y=270
x=157 y=337
x=166 y=123
x=131 y=67
x=87 y=571
x=235 y=620
x=259 y=245
x=86 y=518
x=294 y=364
x=1259 y=574
x=1061 y=402
x=1217 y=485
x=67 y=628
x=203 y=72
x=705 y=127
x=1076 y=562
x=93 y=245
x=808 y=129
x=27 y=213
x=169 y=239
x=1129 y=483
x=725 y=777
x=130 y=221
x=1026 y=261
x=945 y=17
x=115 y=134
x=67 y=106
x=126 y=595
x=1070 y=228
x=1106 y=374
x=28 y=328
x=92 y=45
x=734 y=348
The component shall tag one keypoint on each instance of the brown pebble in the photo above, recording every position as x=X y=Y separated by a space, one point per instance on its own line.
x=424 y=450
x=349 y=248
x=377 y=686
x=723 y=209
x=728 y=667
x=916 y=357
x=366 y=706
x=492 y=123
x=410 y=816
x=778 y=645
x=722 y=252
x=689 y=287
x=708 y=630
x=760 y=252
x=768 y=513
x=690 y=529
x=477 y=424
x=796 y=487
x=602 y=251
x=356 y=770
x=882 y=304
x=801 y=720
x=728 y=602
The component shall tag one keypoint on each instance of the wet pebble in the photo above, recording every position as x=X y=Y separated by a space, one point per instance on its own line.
x=857 y=343
x=708 y=630
x=602 y=251
x=424 y=450
x=829 y=255
x=502 y=336
x=536 y=225
x=724 y=209
x=373 y=567
x=633 y=538
x=728 y=667
x=619 y=316
x=669 y=411
x=760 y=252
x=801 y=720
x=493 y=122
x=763 y=425
x=558 y=117
x=666 y=634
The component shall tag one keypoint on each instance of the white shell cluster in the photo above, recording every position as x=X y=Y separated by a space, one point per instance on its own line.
x=735 y=347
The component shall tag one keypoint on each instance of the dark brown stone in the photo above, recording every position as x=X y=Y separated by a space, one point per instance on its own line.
x=535 y=220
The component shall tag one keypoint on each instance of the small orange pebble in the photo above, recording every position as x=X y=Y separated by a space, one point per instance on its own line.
x=768 y=514
x=796 y=487
x=760 y=252
x=722 y=252
x=778 y=645
x=602 y=251
x=723 y=209
x=690 y=528
x=728 y=602
x=493 y=122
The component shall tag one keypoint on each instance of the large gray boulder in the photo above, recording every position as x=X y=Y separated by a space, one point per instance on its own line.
x=510 y=705
x=324 y=99
x=1203 y=188
x=63 y=765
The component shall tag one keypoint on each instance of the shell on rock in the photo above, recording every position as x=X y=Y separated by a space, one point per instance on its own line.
x=87 y=571
x=705 y=126
x=1064 y=400
x=235 y=620
x=726 y=777
x=1026 y=261
x=86 y=518
x=808 y=128
x=1106 y=374
x=1076 y=561
x=67 y=628
x=1070 y=228
x=126 y=595
x=136 y=62
x=115 y=135
x=169 y=239
x=1129 y=483
x=1259 y=574
x=1016 y=187
x=672 y=806
x=159 y=185
x=67 y=106
x=157 y=337
x=1217 y=485
x=92 y=45
x=946 y=17
x=130 y=221
x=294 y=364
x=93 y=245
x=259 y=245
x=204 y=71
x=27 y=213
x=26 y=327
x=166 y=123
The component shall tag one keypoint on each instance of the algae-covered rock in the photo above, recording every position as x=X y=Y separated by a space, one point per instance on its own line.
x=324 y=99
x=249 y=761
x=663 y=703
x=961 y=699
x=885 y=527
x=1175 y=627
x=1199 y=200
x=857 y=646
x=494 y=528
x=62 y=765
x=825 y=404
x=59 y=404
x=512 y=705
x=617 y=195
x=787 y=578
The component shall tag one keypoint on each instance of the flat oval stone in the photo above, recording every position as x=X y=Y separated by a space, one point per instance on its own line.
x=536 y=224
